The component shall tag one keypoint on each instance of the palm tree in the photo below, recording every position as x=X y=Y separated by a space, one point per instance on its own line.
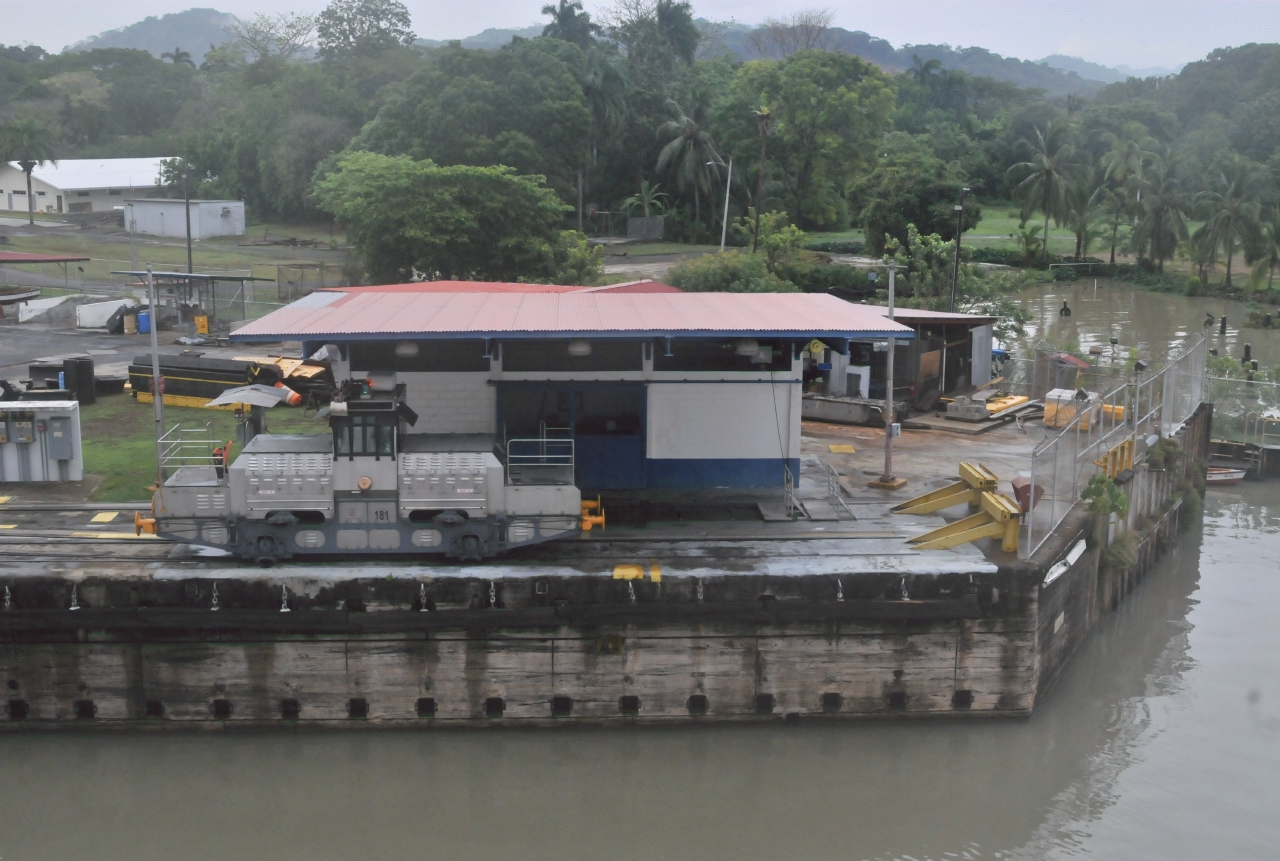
x=678 y=29
x=1046 y=172
x=570 y=24
x=1116 y=207
x=923 y=72
x=1082 y=211
x=605 y=88
x=1129 y=156
x=1163 y=221
x=689 y=150
x=1269 y=233
x=29 y=142
x=1232 y=205
x=649 y=198
x=178 y=57
x=764 y=124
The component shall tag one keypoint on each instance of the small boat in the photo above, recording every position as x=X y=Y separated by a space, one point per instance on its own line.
x=1219 y=476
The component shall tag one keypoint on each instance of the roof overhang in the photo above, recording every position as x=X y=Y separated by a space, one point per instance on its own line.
x=362 y=317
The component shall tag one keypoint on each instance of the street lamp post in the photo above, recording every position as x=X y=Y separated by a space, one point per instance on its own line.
x=955 y=270
x=728 y=184
x=888 y=480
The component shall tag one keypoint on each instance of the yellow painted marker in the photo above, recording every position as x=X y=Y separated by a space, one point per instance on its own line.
x=841 y=448
x=8 y=526
x=105 y=517
x=628 y=572
x=655 y=572
x=4 y=499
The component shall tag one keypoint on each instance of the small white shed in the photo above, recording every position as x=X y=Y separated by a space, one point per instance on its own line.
x=209 y=218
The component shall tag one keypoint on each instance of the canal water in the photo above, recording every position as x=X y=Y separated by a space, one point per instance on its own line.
x=1161 y=740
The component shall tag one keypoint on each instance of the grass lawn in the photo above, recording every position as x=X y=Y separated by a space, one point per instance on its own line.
x=119 y=440
x=110 y=250
x=649 y=249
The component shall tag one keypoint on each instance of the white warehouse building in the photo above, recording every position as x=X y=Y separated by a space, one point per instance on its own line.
x=80 y=185
x=209 y=218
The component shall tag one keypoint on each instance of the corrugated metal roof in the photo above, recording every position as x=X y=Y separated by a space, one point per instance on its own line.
x=70 y=174
x=643 y=286
x=377 y=316
x=920 y=314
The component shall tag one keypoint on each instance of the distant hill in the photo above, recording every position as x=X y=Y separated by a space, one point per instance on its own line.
x=1105 y=74
x=193 y=31
x=973 y=61
x=490 y=39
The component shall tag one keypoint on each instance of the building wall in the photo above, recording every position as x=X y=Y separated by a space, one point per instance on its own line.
x=451 y=402
x=13 y=186
x=168 y=218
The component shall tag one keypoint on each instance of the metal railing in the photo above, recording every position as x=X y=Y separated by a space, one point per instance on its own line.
x=1150 y=405
x=192 y=445
x=540 y=460
x=835 y=493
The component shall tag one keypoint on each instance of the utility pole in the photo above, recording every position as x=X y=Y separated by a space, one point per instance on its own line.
x=888 y=480
x=724 y=222
x=186 y=193
x=157 y=395
x=955 y=270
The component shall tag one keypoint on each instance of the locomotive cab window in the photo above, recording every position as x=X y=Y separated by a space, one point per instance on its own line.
x=364 y=435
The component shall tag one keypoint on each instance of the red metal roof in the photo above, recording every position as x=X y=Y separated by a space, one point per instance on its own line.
x=368 y=315
x=644 y=286
x=22 y=257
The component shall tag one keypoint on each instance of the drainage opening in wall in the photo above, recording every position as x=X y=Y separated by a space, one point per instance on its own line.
x=494 y=707
x=561 y=706
x=765 y=704
x=831 y=703
x=897 y=699
x=357 y=707
x=85 y=710
x=153 y=709
x=18 y=709
x=426 y=707
x=629 y=705
x=962 y=699
x=290 y=709
x=221 y=709
x=697 y=704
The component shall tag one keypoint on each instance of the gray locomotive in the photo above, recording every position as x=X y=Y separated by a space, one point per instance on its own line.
x=370 y=486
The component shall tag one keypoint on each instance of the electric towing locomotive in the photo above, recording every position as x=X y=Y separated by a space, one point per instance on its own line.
x=371 y=486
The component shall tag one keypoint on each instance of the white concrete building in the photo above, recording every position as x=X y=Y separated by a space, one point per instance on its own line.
x=80 y=185
x=169 y=218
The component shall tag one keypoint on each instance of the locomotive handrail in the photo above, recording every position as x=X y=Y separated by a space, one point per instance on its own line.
x=181 y=447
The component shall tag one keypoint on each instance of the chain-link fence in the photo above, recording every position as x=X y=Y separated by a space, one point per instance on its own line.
x=1245 y=410
x=1150 y=404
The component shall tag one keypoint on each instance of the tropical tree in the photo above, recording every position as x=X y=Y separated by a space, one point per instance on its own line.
x=690 y=152
x=1269 y=234
x=1082 y=211
x=351 y=27
x=1162 y=223
x=647 y=200
x=764 y=125
x=604 y=86
x=1029 y=241
x=1232 y=205
x=178 y=57
x=1115 y=207
x=29 y=142
x=413 y=219
x=1130 y=155
x=675 y=22
x=570 y=24
x=1046 y=174
x=278 y=37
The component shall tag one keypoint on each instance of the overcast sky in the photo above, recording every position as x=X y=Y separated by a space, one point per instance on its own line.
x=1137 y=33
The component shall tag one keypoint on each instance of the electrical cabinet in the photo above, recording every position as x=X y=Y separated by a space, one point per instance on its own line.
x=40 y=441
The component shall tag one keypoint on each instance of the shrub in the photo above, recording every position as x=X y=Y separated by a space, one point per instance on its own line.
x=1105 y=497
x=730 y=272
x=836 y=246
x=815 y=277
